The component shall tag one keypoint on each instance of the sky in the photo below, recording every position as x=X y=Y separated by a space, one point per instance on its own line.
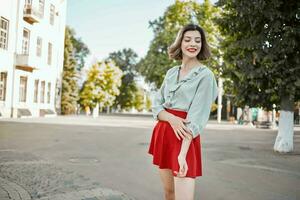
x=106 y=26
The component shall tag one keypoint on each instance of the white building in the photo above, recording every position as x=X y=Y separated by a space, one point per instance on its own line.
x=31 y=56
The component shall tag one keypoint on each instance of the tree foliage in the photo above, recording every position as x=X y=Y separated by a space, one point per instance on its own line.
x=80 y=49
x=262 y=50
x=102 y=85
x=165 y=29
x=69 y=78
x=148 y=103
x=74 y=53
x=126 y=59
x=138 y=101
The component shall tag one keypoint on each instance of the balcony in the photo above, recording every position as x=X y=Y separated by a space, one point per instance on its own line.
x=31 y=15
x=26 y=62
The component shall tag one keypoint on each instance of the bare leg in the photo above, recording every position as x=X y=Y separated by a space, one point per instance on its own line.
x=168 y=183
x=184 y=188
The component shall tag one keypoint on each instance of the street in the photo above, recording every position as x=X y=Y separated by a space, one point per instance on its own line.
x=106 y=158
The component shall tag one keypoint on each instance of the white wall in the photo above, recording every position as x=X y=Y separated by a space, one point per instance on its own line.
x=8 y=11
x=13 y=11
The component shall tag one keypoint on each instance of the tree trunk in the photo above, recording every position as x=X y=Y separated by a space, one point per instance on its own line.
x=96 y=111
x=220 y=94
x=284 y=139
x=87 y=110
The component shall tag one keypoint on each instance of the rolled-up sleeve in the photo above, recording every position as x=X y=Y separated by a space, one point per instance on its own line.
x=158 y=100
x=199 y=111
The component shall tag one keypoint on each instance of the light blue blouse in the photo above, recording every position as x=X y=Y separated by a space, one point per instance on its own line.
x=194 y=93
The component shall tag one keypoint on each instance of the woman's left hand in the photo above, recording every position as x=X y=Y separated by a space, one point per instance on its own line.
x=183 y=167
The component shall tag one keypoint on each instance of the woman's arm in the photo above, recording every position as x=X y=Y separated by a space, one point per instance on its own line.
x=183 y=167
x=198 y=116
x=165 y=116
x=177 y=123
x=199 y=111
x=185 y=145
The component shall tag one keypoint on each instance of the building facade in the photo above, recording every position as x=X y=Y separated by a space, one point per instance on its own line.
x=31 y=56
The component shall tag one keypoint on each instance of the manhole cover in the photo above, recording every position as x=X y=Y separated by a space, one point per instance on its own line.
x=244 y=148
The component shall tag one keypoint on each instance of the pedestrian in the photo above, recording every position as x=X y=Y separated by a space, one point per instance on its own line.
x=182 y=107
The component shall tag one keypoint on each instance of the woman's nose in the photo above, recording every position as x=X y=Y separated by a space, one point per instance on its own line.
x=193 y=43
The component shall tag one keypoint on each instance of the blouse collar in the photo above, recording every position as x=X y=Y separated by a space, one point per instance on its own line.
x=192 y=74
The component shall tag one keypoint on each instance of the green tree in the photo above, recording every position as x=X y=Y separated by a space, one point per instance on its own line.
x=74 y=53
x=80 y=49
x=165 y=28
x=207 y=16
x=262 y=57
x=69 y=78
x=138 y=101
x=102 y=85
x=148 y=103
x=126 y=59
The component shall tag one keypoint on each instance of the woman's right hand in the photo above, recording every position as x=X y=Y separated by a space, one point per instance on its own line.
x=180 y=130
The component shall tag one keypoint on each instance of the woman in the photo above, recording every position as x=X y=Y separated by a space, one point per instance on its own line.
x=182 y=108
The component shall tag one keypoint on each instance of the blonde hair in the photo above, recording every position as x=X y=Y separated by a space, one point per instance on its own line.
x=174 y=50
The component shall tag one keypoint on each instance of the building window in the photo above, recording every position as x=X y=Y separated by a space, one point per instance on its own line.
x=41 y=7
x=3 y=33
x=42 y=97
x=25 y=43
x=52 y=14
x=36 y=90
x=49 y=53
x=39 y=47
x=23 y=89
x=48 y=92
x=3 y=80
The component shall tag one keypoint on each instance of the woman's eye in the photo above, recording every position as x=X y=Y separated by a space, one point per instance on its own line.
x=198 y=41
x=187 y=40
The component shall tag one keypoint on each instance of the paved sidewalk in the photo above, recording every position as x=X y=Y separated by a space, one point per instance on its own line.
x=123 y=120
x=12 y=191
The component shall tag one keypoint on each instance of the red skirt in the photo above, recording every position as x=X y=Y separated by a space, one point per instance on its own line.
x=165 y=148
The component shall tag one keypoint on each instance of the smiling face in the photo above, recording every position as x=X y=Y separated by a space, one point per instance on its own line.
x=191 y=44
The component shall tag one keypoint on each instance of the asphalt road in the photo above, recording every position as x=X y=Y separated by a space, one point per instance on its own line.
x=54 y=156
